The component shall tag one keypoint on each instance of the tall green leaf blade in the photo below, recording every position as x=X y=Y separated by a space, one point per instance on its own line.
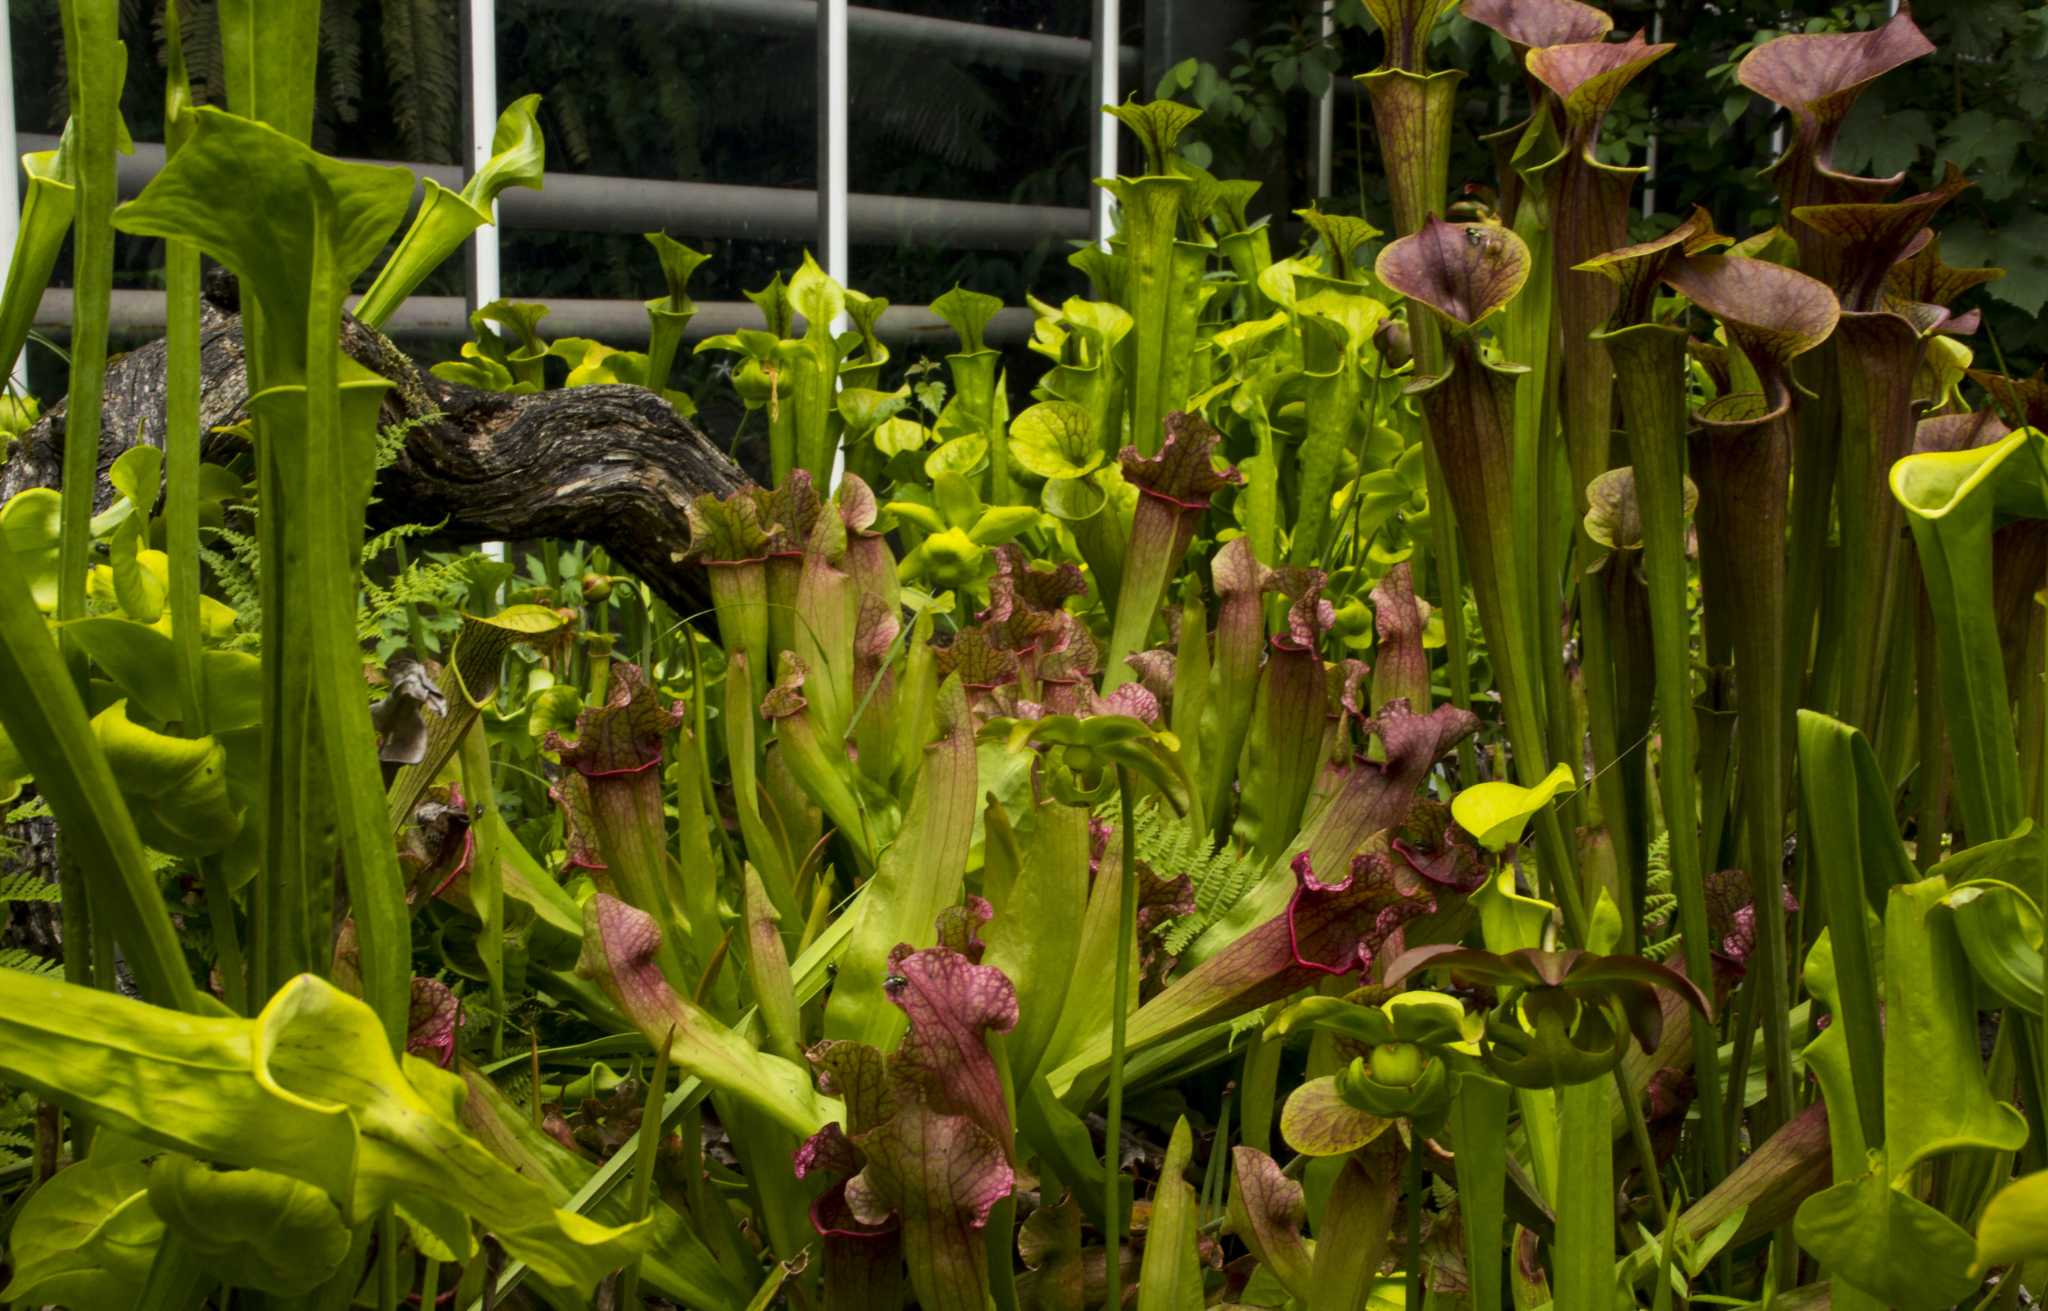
x=1846 y=857
x=917 y=877
x=270 y=51
x=1585 y=1240
x=307 y=227
x=45 y=720
x=181 y=411
x=1171 y=1277
x=98 y=64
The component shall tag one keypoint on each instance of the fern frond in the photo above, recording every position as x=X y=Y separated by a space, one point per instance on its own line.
x=419 y=48
x=391 y=439
x=390 y=537
x=27 y=962
x=423 y=582
x=1250 y=1021
x=341 y=40
x=205 y=60
x=1660 y=905
x=17 y=1109
x=26 y=885
x=562 y=105
x=237 y=570
x=1172 y=845
x=36 y=807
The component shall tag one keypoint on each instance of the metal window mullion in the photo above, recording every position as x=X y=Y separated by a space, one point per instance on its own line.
x=1104 y=81
x=1326 y=115
x=832 y=160
x=10 y=196
x=479 y=38
x=833 y=252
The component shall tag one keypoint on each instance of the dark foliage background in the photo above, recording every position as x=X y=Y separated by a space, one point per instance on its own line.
x=641 y=93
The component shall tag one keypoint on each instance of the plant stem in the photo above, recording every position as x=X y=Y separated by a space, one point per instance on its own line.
x=1650 y=368
x=415 y=627
x=1450 y=592
x=77 y=913
x=387 y=1260
x=533 y=1039
x=220 y=913
x=1415 y=1194
x=181 y=477
x=1216 y=1172
x=181 y=416
x=651 y=1104
x=1737 y=1074
x=1260 y=1081
x=105 y=969
x=1119 y=1019
x=1639 y=1135
x=487 y=876
x=91 y=50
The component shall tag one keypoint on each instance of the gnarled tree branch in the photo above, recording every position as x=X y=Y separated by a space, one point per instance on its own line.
x=610 y=465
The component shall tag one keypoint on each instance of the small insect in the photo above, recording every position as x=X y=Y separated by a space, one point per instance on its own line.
x=1487 y=240
x=894 y=981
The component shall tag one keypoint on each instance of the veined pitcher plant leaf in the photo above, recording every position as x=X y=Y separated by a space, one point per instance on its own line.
x=1157 y=125
x=915 y=879
x=177 y=788
x=620 y=948
x=941 y=1174
x=1266 y=1211
x=469 y=681
x=967 y=313
x=1639 y=269
x=1327 y=929
x=88 y=1237
x=1317 y=1121
x=250 y=1228
x=2015 y=1225
x=1533 y=25
x=1462 y=272
x=269 y=246
x=308 y=1089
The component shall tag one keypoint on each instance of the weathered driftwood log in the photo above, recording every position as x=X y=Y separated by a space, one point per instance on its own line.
x=611 y=465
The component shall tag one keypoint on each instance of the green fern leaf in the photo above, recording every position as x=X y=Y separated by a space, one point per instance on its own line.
x=26 y=885
x=419 y=49
x=27 y=962
x=1659 y=921
x=1172 y=845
